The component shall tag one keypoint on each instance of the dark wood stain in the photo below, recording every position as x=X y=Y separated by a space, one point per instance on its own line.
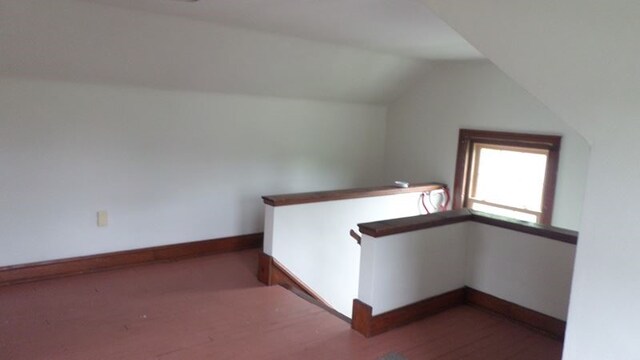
x=361 y=316
x=320 y=196
x=368 y=325
x=355 y=236
x=271 y=272
x=467 y=138
x=264 y=268
x=85 y=264
x=413 y=223
x=461 y=179
x=546 y=231
x=548 y=324
x=420 y=222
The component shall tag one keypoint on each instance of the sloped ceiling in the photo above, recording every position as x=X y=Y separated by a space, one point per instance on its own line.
x=404 y=27
x=85 y=41
x=579 y=57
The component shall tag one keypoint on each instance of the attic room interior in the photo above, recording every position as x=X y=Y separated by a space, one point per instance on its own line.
x=216 y=179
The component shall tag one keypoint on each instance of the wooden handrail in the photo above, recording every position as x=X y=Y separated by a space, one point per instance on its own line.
x=320 y=196
x=355 y=235
x=420 y=222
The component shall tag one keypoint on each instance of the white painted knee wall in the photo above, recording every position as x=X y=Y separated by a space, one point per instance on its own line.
x=529 y=270
x=401 y=269
x=313 y=242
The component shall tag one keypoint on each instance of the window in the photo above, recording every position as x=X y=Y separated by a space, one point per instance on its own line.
x=507 y=174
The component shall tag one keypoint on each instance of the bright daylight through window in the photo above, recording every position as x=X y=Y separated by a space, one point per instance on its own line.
x=507 y=174
x=508 y=181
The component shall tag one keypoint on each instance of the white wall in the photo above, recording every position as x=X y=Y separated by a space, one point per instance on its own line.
x=528 y=270
x=531 y=271
x=169 y=166
x=398 y=270
x=106 y=108
x=580 y=57
x=423 y=128
x=312 y=241
x=604 y=312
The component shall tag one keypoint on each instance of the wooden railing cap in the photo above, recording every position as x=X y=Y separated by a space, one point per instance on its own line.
x=320 y=196
x=420 y=222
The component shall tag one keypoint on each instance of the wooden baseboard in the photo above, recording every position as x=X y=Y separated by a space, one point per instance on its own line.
x=363 y=322
x=545 y=323
x=271 y=272
x=85 y=264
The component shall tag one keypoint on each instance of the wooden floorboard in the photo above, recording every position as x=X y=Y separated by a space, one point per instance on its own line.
x=214 y=308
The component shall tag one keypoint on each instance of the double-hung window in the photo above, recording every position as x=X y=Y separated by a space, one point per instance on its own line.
x=507 y=174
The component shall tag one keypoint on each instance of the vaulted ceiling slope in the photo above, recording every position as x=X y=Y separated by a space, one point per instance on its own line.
x=580 y=58
x=87 y=41
x=404 y=27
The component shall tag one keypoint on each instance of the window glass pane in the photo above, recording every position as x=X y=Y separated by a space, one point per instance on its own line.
x=505 y=212
x=510 y=177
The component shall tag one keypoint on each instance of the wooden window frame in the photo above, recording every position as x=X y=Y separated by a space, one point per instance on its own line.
x=466 y=142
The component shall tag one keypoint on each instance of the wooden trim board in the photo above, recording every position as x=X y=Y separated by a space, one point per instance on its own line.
x=545 y=323
x=86 y=264
x=414 y=223
x=546 y=231
x=271 y=272
x=363 y=322
x=319 y=196
x=420 y=222
x=467 y=138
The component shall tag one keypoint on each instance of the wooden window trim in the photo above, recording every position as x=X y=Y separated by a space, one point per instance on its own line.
x=466 y=140
x=537 y=214
x=471 y=197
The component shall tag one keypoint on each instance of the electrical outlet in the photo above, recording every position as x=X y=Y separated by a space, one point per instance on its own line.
x=103 y=218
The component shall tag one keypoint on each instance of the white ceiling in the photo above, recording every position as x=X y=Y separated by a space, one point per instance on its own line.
x=82 y=41
x=402 y=27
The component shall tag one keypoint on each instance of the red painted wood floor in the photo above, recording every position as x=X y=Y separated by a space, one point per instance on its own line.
x=213 y=308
